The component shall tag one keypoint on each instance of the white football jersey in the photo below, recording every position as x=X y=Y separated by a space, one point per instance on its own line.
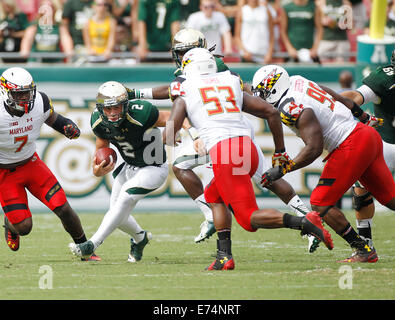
x=18 y=134
x=336 y=120
x=214 y=107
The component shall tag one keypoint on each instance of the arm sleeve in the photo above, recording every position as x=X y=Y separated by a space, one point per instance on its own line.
x=368 y=94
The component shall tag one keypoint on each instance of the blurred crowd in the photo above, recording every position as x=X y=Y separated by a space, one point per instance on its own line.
x=258 y=31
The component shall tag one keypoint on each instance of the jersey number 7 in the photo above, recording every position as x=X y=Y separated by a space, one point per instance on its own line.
x=219 y=108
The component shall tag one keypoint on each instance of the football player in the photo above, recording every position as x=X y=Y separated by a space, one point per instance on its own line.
x=378 y=87
x=184 y=164
x=213 y=103
x=23 y=112
x=354 y=149
x=131 y=127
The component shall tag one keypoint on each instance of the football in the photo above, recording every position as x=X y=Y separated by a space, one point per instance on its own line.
x=106 y=154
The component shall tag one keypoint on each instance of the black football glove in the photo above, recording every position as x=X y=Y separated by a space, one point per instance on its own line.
x=272 y=175
x=71 y=131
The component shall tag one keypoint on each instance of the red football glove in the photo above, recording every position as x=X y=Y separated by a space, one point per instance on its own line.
x=373 y=121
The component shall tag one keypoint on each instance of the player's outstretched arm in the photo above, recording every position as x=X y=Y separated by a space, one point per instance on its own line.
x=311 y=133
x=63 y=125
x=175 y=121
x=157 y=93
x=262 y=109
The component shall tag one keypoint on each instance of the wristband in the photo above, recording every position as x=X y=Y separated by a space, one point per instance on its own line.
x=144 y=93
x=356 y=111
x=193 y=133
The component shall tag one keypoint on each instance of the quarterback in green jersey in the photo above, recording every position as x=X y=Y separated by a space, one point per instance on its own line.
x=378 y=87
x=130 y=126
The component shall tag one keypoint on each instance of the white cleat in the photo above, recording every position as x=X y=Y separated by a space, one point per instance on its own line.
x=207 y=229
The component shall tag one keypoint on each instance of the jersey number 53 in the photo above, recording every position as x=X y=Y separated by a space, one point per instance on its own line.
x=212 y=95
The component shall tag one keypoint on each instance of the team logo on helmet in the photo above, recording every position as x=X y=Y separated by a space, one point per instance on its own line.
x=271 y=79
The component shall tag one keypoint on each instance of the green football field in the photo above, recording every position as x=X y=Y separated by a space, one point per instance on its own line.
x=270 y=264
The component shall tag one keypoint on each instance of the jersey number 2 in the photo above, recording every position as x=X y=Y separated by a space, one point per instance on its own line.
x=218 y=106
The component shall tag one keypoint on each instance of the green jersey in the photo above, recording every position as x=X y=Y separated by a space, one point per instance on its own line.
x=138 y=143
x=334 y=9
x=77 y=12
x=158 y=16
x=300 y=24
x=381 y=81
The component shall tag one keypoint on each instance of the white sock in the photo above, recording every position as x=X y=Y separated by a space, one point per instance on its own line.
x=365 y=223
x=204 y=207
x=298 y=207
x=114 y=217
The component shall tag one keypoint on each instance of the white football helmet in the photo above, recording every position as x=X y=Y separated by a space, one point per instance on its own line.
x=184 y=40
x=18 y=89
x=270 y=83
x=112 y=94
x=198 y=61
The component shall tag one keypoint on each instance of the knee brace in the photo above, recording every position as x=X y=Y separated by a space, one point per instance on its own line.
x=361 y=201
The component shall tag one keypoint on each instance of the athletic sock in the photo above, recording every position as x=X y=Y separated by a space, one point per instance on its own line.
x=298 y=207
x=353 y=239
x=292 y=222
x=364 y=228
x=224 y=243
x=204 y=207
x=81 y=239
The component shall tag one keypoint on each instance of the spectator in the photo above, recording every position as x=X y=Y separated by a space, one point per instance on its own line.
x=158 y=22
x=360 y=17
x=254 y=32
x=230 y=8
x=43 y=34
x=187 y=8
x=75 y=16
x=214 y=25
x=125 y=12
x=276 y=8
x=334 y=45
x=99 y=33
x=389 y=29
x=301 y=30
x=28 y=7
x=346 y=80
x=12 y=28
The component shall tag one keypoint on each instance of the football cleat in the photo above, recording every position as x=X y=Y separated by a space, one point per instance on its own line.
x=93 y=257
x=312 y=224
x=11 y=238
x=314 y=243
x=207 y=229
x=82 y=250
x=223 y=261
x=136 y=249
x=367 y=254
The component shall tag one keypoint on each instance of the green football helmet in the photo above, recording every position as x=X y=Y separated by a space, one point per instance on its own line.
x=185 y=40
x=112 y=94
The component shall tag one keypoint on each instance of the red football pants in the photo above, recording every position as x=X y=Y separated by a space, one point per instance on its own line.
x=34 y=176
x=358 y=158
x=234 y=161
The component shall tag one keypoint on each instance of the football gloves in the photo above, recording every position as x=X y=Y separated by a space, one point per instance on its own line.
x=280 y=158
x=282 y=163
x=373 y=121
x=131 y=93
x=71 y=131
